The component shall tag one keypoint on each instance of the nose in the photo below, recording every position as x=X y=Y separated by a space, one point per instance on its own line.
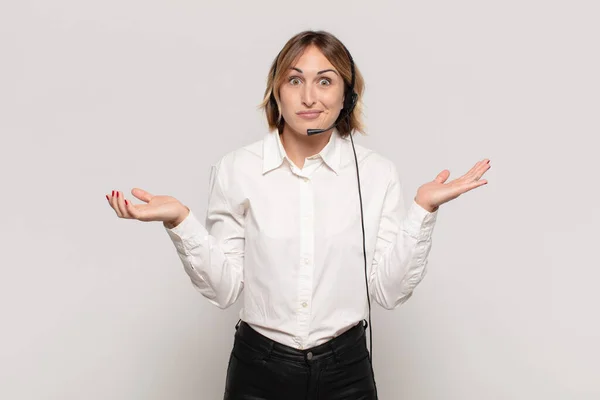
x=308 y=96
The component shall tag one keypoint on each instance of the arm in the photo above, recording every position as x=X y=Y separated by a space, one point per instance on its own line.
x=213 y=257
x=401 y=249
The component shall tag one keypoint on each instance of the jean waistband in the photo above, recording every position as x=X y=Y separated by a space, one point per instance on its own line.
x=334 y=346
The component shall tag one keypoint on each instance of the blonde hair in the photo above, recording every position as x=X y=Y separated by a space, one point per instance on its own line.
x=333 y=49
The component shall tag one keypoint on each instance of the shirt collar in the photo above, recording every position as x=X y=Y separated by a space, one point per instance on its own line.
x=274 y=152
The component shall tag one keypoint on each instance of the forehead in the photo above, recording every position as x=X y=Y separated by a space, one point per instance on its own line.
x=312 y=58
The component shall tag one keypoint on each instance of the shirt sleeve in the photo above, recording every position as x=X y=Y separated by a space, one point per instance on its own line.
x=213 y=256
x=402 y=247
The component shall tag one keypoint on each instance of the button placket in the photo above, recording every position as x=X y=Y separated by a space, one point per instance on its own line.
x=305 y=281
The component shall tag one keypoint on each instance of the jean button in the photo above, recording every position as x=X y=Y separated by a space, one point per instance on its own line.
x=309 y=356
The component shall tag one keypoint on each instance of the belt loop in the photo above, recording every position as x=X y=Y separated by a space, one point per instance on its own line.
x=238 y=324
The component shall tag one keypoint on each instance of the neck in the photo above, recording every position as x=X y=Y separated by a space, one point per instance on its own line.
x=300 y=146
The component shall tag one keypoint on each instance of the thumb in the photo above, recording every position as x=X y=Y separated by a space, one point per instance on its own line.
x=142 y=194
x=442 y=176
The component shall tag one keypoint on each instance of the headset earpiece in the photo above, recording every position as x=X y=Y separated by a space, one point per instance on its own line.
x=350 y=101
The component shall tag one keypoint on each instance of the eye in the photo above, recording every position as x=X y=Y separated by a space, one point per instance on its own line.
x=325 y=82
x=294 y=80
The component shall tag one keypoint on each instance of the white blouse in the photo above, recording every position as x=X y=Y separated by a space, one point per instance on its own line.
x=290 y=240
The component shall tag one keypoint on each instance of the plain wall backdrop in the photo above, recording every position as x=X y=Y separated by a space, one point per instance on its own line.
x=104 y=95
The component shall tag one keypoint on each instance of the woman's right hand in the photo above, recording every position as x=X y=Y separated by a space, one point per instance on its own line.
x=157 y=208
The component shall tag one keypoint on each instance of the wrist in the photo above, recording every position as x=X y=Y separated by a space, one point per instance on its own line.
x=427 y=207
x=182 y=215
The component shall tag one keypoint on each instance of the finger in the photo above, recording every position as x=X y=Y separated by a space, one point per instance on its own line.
x=483 y=167
x=142 y=194
x=113 y=204
x=126 y=209
x=473 y=185
x=479 y=183
x=109 y=200
x=473 y=171
x=442 y=176
x=478 y=170
x=121 y=205
x=132 y=210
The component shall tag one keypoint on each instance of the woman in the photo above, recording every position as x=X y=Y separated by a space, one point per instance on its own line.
x=291 y=222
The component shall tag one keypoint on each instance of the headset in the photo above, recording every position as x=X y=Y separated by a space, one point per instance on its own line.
x=350 y=99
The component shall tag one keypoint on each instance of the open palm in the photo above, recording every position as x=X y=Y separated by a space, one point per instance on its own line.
x=435 y=193
x=154 y=208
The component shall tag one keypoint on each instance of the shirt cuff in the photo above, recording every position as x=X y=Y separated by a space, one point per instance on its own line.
x=190 y=233
x=419 y=222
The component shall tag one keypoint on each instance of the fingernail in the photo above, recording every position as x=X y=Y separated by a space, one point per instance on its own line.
x=113 y=193
x=117 y=194
x=107 y=198
x=126 y=202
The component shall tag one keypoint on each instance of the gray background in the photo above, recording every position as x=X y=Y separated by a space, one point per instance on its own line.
x=105 y=95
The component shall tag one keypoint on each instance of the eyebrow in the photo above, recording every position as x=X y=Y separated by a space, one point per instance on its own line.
x=318 y=73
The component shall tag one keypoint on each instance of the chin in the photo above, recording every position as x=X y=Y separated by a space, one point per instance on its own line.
x=298 y=128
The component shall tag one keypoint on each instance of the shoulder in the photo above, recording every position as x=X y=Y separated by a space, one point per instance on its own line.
x=227 y=173
x=369 y=160
x=248 y=153
x=245 y=158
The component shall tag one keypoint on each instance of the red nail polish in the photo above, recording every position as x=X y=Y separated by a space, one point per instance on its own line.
x=107 y=198
x=113 y=193
x=117 y=194
x=126 y=202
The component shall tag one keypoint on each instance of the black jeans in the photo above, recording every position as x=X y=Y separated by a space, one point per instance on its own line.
x=261 y=369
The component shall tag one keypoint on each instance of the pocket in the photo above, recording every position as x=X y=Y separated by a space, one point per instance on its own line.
x=354 y=354
x=351 y=374
x=246 y=353
x=352 y=358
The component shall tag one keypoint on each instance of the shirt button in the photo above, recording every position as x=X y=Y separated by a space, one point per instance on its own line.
x=304 y=304
x=306 y=261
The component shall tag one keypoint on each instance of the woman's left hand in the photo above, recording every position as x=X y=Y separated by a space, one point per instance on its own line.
x=435 y=193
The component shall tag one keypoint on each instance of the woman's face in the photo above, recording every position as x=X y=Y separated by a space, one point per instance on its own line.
x=312 y=94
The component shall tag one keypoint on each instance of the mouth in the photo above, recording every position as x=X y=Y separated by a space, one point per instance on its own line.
x=309 y=114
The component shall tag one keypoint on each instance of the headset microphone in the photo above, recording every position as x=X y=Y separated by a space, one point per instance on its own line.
x=346 y=111
x=311 y=132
